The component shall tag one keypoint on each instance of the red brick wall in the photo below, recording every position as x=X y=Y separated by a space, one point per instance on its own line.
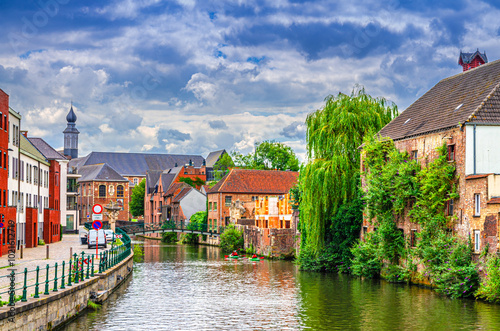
x=9 y=213
x=31 y=227
x=94 y=198
x=270 y=242
x=51 y=226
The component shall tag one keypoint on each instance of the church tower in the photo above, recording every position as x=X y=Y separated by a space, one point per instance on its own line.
x=71 y=136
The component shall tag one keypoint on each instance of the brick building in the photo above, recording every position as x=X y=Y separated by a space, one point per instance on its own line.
x=6 y=210
x=101 y=184
x=462 y=111
x=247 y=186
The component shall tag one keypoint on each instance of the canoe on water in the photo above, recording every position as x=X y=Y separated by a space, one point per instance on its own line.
x=254 y=259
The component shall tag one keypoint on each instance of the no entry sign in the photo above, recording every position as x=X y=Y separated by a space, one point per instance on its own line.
x=97 y=208
x=97 y=225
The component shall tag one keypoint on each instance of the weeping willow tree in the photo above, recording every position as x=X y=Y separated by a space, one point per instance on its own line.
x=331 y=177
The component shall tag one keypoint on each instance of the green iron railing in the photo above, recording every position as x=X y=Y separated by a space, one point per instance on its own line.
x=60 y=276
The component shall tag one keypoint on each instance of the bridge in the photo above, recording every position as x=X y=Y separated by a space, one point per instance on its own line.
x=167 y=226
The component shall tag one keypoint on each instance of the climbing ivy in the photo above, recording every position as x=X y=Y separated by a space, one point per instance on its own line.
x=397 y=187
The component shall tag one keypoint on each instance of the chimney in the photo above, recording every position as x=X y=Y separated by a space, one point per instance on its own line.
x=472 y=60
x=24 y=133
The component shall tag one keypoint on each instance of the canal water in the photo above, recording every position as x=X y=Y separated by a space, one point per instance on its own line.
x=180 y=287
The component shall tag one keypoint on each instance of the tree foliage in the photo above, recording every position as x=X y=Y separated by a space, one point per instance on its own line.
x=222 y=166
x=137 y=199
x=231 y=239
x=331 y=178
x=197 y=222
x=268 y=155
x=196 y=183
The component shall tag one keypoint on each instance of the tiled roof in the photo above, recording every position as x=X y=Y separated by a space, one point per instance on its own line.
x=182 y=194
x=477 y=176
x=46 y=149
x=27 y=148
x=494 y=200
x=471 y=96
x=167 y=180
x=152 y=177
x=256 y=181
x=213 y=157
x=136 y=164
x=174 y=187
x=99 y=172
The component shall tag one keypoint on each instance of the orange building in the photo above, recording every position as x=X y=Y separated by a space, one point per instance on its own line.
x=245 y=185
x=273 y=211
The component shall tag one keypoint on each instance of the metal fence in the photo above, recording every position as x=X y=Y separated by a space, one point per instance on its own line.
x=60 y=276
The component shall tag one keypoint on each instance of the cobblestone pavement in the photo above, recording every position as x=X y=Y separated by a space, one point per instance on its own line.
x=33 y=257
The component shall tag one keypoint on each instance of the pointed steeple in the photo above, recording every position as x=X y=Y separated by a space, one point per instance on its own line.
x=71 y=135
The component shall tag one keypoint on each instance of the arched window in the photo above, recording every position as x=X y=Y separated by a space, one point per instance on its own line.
x=102 y=191
x=119 y=191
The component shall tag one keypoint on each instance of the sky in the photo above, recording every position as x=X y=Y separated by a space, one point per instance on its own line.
x=190 y=77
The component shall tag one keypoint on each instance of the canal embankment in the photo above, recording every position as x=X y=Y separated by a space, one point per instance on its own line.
x=46 y=297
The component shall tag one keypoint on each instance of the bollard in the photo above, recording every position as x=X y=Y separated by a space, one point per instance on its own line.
x=47 y=251
x=21 y=252
x=70 y=252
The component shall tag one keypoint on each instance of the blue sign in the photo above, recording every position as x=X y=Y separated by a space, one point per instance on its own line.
x=1 y=225
x=97 y=225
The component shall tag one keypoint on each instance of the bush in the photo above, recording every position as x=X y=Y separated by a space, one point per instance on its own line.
x=41 y=242
x=366 y=261
x=490 y=286
x=231 y=239
x=169 y=237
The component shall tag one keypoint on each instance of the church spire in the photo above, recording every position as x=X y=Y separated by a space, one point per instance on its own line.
x=71 y=135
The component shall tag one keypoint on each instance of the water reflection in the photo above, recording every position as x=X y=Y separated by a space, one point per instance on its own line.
x=187 y=288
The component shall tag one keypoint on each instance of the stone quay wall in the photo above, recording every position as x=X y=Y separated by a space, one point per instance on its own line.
x=53 y=310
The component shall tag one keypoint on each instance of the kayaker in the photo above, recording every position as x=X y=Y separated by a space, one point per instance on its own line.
x=234 y=253
x=254 y=256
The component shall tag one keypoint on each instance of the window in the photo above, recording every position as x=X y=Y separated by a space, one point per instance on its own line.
x=414 y=155
x=413 y=238
x=477 y=204
x=119 y=191
x=228 y=201
x=449 y=207
x=210 y=206
x=136 y=181
x=477 y=241
x=215 y=206
x=451 y=152
x=102 y=191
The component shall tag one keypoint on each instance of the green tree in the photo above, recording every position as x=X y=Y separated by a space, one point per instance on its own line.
x=231 y=239
x=197 y=222
x=268 y=155
x=331 y=178
x=222 y=166
x=137 y=199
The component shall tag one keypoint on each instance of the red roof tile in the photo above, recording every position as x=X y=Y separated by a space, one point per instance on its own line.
x=477 y=176
x=256 y=181
x=494 y=200
x=174 y=187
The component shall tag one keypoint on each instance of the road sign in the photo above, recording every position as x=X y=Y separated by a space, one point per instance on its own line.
x=97 y=208
x=1 y=225
x=86 y=261
x=96 y=217
x=119 y=236
x=97 y=225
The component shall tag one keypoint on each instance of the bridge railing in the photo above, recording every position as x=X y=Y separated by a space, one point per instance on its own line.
x=172 y=225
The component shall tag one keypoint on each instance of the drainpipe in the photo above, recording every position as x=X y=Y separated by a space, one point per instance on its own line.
x=474 y=148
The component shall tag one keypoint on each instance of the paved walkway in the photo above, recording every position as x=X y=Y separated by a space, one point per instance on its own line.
x=33 y=257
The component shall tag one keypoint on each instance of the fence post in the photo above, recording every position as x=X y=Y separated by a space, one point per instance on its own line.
x=69 y=273
x=100 y=262
x=88 y=267
x=55 y=278
x=92 y=272
x=82 y=270
x=24 y=299
x=36 y=284
x=46 y=280
x=62 y=278
x=75 y=266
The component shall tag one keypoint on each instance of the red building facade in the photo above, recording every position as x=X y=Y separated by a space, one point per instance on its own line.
x=9 y=213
